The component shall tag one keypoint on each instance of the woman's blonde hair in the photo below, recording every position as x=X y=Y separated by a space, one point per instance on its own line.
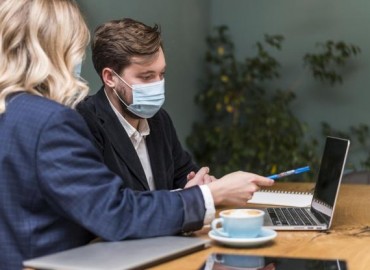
x=41 y=42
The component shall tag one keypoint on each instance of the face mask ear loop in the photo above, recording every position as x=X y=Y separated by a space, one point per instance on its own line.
x=124 y=103
x=115 y=92
x=121 y=79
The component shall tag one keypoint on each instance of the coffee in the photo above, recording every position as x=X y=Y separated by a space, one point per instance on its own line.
x=242 y=213
x=239 y=223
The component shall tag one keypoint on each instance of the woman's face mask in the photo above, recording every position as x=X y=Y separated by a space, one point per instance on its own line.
x=147 y=98
x=77 y=70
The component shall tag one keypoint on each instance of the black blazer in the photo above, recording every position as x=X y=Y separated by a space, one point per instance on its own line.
x=169 y=162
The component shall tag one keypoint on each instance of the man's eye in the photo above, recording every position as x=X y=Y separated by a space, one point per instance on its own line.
x=146 y=78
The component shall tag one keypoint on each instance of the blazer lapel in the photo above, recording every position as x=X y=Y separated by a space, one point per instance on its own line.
x=157 y=155
x=119 y=138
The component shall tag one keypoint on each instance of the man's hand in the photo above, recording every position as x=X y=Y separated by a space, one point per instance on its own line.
x=202 y=177
x=237 y=188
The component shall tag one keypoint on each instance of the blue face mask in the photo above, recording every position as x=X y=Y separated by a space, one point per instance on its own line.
x=77 y=70
x=147 y=98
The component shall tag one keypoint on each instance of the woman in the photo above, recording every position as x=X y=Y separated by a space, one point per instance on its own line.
x=55 y=192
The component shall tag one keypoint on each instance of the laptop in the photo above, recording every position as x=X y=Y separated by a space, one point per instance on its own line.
x=129 y=254
x=319 y=215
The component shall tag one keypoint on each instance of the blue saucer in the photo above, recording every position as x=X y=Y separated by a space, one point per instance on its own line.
x=265 y=236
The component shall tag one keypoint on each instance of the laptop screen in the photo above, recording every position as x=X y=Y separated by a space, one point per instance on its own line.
x=329 y=178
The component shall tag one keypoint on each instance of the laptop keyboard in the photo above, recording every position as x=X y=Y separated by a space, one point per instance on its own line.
x=290 y=216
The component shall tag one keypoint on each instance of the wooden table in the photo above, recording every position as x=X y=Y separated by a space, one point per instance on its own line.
x=348 y=238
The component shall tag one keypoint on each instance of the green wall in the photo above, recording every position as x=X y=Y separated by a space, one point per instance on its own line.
x=304 y=23
x=184 y=25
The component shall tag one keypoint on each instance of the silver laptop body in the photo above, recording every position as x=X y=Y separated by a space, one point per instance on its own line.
x=128 y=254
x=319 y=215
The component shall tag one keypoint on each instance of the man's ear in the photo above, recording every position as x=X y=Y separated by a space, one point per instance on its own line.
x=108 y=78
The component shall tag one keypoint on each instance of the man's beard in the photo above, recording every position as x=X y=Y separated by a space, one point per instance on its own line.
x=129 y=113
x=125 y=110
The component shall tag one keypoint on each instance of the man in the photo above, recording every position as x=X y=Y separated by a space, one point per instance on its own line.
x=134 y=134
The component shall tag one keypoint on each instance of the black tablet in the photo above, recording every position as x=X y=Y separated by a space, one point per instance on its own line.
x=220 y=261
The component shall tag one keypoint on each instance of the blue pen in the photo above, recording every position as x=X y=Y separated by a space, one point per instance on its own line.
x=283 y=174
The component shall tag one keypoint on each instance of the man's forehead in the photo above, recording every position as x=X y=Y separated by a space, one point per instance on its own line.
x=147 y=60
x=141 y=64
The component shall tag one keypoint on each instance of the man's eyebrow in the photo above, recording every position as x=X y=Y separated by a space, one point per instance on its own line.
x=148 y=72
